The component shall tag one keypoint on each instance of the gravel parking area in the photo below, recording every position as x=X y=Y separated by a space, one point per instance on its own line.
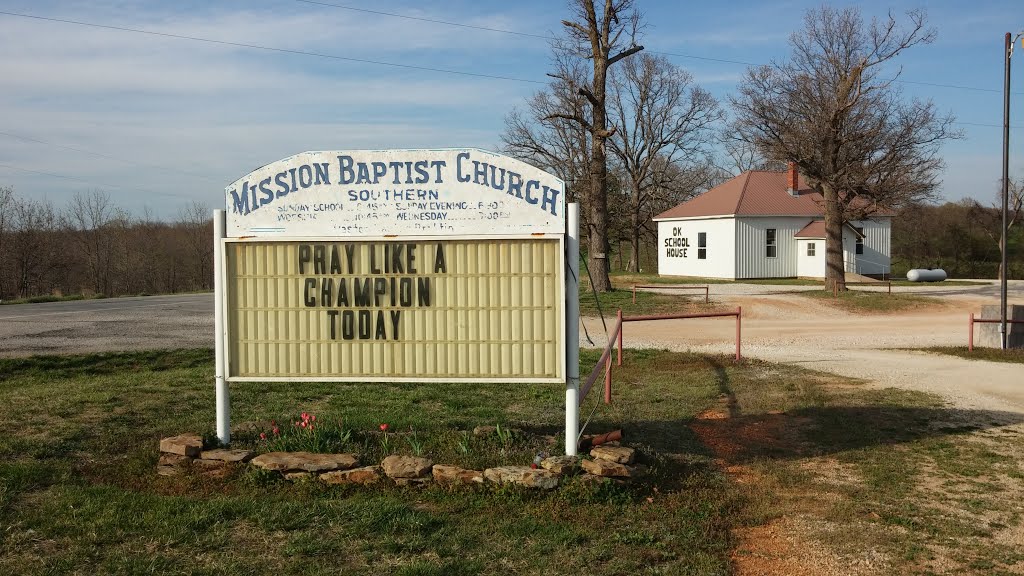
x=113 y=324
x=781 y=326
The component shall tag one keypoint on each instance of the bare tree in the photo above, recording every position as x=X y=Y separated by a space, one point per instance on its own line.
x=835 y=112
x=543 y=137
x=7 y=199
x=90 y=215
x=744 y=157
x=992 y=218
x=34 y=249
x=604 y=38
x=1015 y=212
x=662 y=128
x=197 y=222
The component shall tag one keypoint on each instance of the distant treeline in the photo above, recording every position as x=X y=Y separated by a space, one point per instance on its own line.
x=93 y=247
x=962 y=238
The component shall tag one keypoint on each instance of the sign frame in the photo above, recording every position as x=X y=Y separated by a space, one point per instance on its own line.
x=562 y=331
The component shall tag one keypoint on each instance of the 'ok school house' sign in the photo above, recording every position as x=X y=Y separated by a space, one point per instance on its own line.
x=395 y=265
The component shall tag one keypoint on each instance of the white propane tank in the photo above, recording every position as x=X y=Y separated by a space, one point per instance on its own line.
x=930 y=275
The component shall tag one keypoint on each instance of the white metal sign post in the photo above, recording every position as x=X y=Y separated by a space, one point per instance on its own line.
x=396 y=265
x=572 y=337
x=223 y=401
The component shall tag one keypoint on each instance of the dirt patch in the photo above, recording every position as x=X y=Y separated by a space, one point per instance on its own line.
x=780 y=546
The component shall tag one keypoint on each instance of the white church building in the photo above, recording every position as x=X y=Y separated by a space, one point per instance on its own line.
x=764 y=224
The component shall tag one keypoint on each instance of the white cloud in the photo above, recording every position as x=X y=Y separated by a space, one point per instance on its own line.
x=220 y=111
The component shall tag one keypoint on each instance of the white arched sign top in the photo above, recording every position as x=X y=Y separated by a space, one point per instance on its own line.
x=363 y=193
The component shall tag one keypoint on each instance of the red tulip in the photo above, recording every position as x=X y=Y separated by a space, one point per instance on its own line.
x=263 y=435
x=383 y=427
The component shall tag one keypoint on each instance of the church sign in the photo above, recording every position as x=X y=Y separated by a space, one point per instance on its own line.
x=394 y=265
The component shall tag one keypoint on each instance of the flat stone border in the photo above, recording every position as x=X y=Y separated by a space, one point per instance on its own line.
x=613 y=462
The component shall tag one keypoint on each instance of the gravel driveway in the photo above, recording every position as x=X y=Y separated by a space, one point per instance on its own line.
x=781 y=326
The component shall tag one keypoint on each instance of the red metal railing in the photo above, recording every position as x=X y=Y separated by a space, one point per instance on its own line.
x=973 y=320
x=605 y=364
x=615 y=339
x=673 y=287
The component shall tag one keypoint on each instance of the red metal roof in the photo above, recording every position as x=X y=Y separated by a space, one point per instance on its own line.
x=754 y=193
x=816 y=229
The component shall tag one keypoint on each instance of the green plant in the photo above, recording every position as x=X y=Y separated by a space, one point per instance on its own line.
x=415 y=443
x=307 y=434
x=463 y=442
x=385 y=440
x=504 y=435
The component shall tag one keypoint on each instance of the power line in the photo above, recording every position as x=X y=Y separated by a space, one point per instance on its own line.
x=421 y=19
x=271 y=48
x=100 y=155
x=66 y=177
x=424 y=68
x=708 y=58
x=676 y=54
x=1012 y=127
x=399 y=65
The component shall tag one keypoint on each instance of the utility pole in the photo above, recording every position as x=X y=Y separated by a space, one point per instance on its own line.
x=1008 y=52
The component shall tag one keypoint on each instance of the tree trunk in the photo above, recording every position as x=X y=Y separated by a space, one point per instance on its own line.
x=597 y=252
x=835 y=271
x=634 y=243
x=635 y=226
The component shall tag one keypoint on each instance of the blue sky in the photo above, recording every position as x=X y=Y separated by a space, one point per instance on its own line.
x=160 y=122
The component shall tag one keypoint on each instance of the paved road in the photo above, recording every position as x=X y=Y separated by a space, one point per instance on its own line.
x=136 y=323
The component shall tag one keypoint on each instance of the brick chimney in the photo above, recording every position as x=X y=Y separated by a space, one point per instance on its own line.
x=793 y=180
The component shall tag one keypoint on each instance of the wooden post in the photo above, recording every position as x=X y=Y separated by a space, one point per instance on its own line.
x=739 y=316
x=608 y=380
x=970 y=334
x=619 y=317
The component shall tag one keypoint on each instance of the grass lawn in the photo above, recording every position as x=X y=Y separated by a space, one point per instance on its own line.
x=1012 y=355
x=51 y=298
x=75 y=297
x=621 y=297
x=872 y=302
x=916 y=482
x=627 y=279
x=646 y=303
